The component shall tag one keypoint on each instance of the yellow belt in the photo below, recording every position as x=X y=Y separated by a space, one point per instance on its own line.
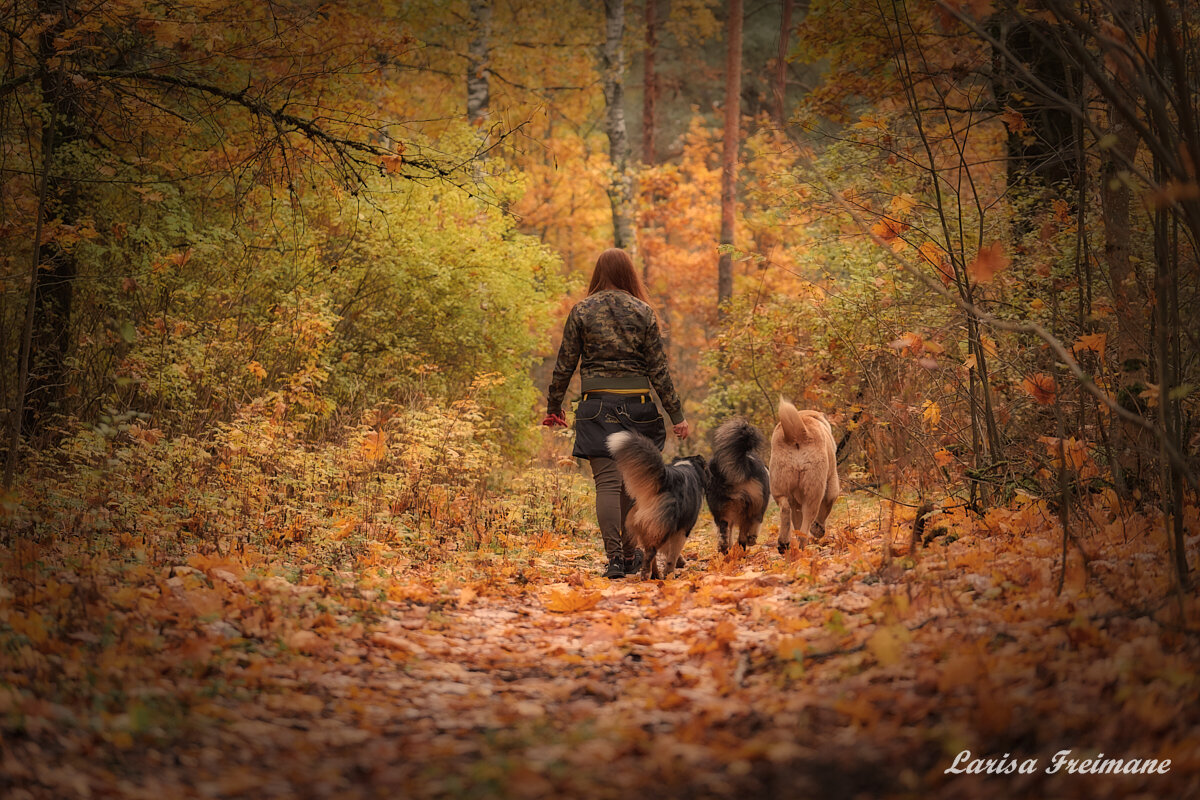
x=641 y=396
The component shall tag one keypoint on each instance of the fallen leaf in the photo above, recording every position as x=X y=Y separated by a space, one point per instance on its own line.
x=307 y=642
x=567 y=601
x=885 y=645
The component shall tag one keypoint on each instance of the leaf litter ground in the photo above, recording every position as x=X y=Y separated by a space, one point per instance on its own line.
x=838 y=670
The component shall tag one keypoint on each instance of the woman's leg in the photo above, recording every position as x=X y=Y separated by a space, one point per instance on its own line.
x=628 y=546
x=611 y=505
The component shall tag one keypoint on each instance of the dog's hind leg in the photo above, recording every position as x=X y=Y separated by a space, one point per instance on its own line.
x=748 y=534
x=723 y=535
x=650 y=565
x=785 y=524
x=808 y=514
x=671 y=552
x=832 y=489
x=818 y=530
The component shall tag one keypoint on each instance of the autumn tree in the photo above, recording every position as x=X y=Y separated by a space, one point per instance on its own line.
x=1150 y=90
x=44 y=342
x=114 y=114
x=1020 y=265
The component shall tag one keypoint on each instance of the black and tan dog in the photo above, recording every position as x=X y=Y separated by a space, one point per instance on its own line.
x=667 y=498
x=804 y=479
x=739 y=484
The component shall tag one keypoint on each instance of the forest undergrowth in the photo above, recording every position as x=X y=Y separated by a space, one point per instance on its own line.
x=395 y=613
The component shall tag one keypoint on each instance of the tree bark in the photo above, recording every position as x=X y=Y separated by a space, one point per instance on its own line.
x=649 y=115
x=785 y=29
x=620 y=186
x=478 y=63
x=53 y=281
x=1131 y=344
x=733 y=109
x=1168 y=326
x=649 y=84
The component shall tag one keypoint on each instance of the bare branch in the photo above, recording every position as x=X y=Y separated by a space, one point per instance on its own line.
x=345 y=148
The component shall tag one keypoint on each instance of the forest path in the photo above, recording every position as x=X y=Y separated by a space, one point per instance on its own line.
x=594 y=687
x=833 y=671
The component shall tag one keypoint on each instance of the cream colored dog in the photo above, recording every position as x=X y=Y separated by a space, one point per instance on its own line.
x=804 y=479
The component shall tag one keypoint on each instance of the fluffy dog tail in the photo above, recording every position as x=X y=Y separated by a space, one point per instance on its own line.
x=733 y=443
x=795 y=427
x=640 y=463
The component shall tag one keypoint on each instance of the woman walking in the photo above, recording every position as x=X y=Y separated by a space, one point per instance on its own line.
x=613 y=336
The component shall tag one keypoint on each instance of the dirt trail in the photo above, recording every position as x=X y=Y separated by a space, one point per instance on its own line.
x=834 y=671
x=596 y=687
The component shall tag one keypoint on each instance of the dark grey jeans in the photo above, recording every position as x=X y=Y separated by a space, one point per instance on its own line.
x=612 y=504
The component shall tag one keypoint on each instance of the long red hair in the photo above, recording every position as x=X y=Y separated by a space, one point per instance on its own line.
x=614 y=270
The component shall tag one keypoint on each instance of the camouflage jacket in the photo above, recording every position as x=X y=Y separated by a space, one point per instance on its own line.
x=616 y=336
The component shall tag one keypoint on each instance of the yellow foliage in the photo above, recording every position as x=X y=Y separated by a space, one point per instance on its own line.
x=931 y=412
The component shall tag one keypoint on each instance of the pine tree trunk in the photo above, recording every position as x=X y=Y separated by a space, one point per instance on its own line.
x=54 y=280
x=785 y=29
x=649 y=84
x=620 y=187
x=733 y=108
x=1168 y=328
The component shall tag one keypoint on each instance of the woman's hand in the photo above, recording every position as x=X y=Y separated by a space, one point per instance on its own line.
x=681 y=430
x=554 y=419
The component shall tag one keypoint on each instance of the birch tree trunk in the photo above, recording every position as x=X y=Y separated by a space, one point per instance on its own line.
x=733 y=113
x=620 y=187
x=649 y=105
x=478 y=62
